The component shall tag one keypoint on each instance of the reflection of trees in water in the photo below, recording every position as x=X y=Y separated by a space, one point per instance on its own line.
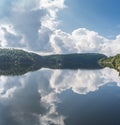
x=5 y=62
x=18 y=62
x=111 y=62
x=73 y=61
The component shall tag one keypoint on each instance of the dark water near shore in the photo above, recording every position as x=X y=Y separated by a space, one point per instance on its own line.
x=61 y=97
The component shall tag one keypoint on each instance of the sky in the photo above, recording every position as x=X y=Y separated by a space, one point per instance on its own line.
x=101 y=16
x=64 y=26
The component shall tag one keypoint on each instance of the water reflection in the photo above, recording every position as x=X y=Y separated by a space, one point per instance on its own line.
x=61 y=97
x=18 y=62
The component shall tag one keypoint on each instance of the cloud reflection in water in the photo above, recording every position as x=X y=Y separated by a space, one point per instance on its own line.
x=33 y=98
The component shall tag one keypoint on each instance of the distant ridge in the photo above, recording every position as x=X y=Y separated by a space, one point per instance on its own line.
x=18 y=61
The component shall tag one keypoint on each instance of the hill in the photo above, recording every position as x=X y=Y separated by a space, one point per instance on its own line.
x=17 y=62
x=112 y=62
x=74 y=61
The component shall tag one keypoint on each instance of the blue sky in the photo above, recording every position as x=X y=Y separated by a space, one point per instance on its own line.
x=47 y=26
x=102 y=16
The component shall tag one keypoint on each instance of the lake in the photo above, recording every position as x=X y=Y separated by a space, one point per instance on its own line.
x=61 y=97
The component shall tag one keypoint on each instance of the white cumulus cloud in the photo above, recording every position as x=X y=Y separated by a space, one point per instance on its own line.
x=32 y=24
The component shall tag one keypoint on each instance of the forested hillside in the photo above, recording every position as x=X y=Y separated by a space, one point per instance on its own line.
x=17 y=62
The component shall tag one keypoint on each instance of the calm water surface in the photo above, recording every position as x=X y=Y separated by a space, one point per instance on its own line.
x=61 y=97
